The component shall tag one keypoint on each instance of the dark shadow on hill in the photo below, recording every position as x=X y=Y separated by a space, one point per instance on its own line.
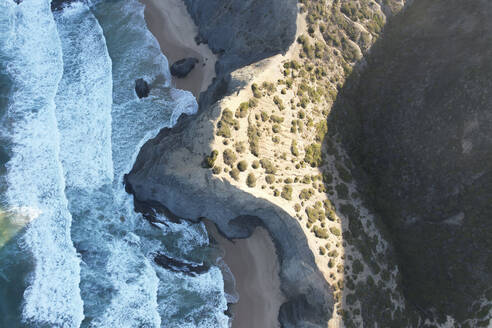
x=417 y=124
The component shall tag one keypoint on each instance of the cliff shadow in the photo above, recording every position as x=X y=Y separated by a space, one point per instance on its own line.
x=415 y=119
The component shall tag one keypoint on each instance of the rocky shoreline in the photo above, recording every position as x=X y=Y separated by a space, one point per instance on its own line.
x=159 y=178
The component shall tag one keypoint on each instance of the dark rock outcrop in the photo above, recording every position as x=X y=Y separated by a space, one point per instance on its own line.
x=183 y=67
x=191 y=192
x=419 y=123
x=241 y=32
x=187 y=268
x=56 y=4
x=142 y=88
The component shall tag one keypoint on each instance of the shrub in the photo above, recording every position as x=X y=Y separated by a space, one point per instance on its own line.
x=234 y=174
x=242 y=165
x=251 y=180
x=264 y=116
x=313 y=155
x=342 y=191
x=268 y=166
x=216 y=169
x=240 y=147
x=223 y=130
x=357 y=267
x=320 y=233
x=242 y=110
x=322 y=250
x=306 y=193
x=256 y=90
x=335 y=231
x=297 y=207
x=314 y=214
x=270 y=179
x=288 y=180
x=343 y=173
x=254 y=140
x=253 y=102
x=269 y=87
x=321 y=130
x=229 y=157
x=287 y=192
x=293 y=148
x=210 y=160
x=276 y=128
x=276 y=119
x=279 y=103
x=255 y=164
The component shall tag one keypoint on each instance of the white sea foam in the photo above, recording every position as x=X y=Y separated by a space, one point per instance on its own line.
x=34 y=175
x=83 y=147
x=84 y=99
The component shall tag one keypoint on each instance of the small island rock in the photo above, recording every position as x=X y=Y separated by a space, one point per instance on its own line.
x=183 y=67
x=142 y=88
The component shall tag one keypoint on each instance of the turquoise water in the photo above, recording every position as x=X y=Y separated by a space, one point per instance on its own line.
x=73 y=253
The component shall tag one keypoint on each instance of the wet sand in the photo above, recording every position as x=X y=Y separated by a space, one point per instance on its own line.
x=255 y=266
x=175 y=30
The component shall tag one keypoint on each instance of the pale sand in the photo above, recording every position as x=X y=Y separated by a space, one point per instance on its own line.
x=175 y=30
x=255 y=266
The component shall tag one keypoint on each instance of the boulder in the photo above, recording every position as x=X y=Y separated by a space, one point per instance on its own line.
x=142 y=88
x=183 y=67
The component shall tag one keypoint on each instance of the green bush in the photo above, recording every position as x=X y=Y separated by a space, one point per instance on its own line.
x=293 y=148
x=321 y=130
x=321 y=233
x=256 y=90
x=242 y=110
x=276 y=119
x=210 y=160
x=223 y=130
x=242 y=165
x=251 y=180
x=256 y=164
x=229 y=157
x=342 y=191
x=279 y=103
x=276 y=128
x=306 y=193
x=264 y=116
x=253 y=102
x=343 y=173
x=335 y=231
x=270 y=178
x=216 y=169
x=268 y=166
x=297 y=207
x=314 y=214
x=254 y=140
x=287 y=192
x=240 y=147
x=313 y=155
x=357 y=267
x=234 y=174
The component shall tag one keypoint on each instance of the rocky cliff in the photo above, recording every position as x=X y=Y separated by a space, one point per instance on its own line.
x=241 y=32
x=166 y=174
x=168 y=171
x=418 y=123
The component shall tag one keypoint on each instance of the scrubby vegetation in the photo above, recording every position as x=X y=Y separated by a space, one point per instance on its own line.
x=286 y=126
x=251 y=180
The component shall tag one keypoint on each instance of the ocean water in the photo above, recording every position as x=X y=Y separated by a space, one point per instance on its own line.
x=73 y=252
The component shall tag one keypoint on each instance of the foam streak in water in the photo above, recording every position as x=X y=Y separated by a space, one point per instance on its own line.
x=34 y=175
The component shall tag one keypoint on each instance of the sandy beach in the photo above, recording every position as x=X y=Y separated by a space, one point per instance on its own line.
x=175 y=30
x=255 y=266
